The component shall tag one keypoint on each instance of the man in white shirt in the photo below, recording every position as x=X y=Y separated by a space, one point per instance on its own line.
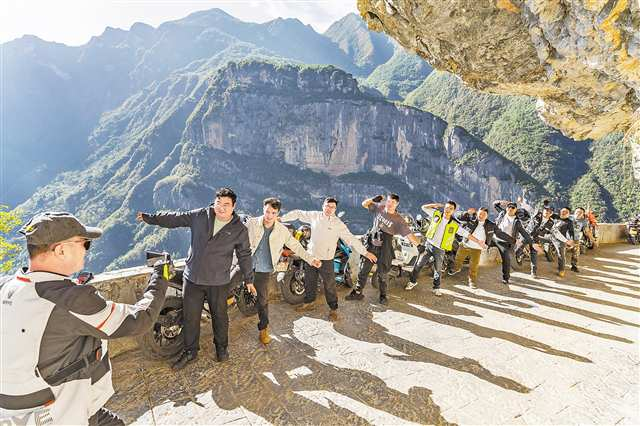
x=481 y=229
x=326 y=229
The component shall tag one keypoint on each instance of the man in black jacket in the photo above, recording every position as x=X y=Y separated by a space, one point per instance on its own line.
x=540 y=228
x=478 y=225
x=216 y=233
x=510 y=224
x=566 y=227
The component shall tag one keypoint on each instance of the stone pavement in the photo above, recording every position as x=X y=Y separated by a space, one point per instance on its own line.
x=551 y=351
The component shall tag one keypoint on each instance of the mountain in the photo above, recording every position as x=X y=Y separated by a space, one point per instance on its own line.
x=573 y=171
x=55 y=94
x=399 y=76
x=297 y=132
x=366 y=49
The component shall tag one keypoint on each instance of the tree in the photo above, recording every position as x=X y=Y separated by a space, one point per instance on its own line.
x=9 y=220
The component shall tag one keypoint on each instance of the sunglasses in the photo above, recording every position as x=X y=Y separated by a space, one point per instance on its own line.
x=85 y=243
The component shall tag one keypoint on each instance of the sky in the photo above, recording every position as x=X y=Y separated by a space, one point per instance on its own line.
x=74 y=22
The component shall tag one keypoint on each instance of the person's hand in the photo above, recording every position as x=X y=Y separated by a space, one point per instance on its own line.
x=570 y=243
x=316 y=263
x=372 y=257
x=537 y=247
x=252 y=289
x=377 y=198
x=484 y=245
x=139 y=217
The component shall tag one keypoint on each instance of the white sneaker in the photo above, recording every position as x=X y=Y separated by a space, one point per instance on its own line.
x=472 y=285
x=437 y=292
x=410 y=285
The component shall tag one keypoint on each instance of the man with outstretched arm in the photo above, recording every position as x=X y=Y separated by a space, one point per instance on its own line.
x=326 y=229
x=268 y=237
x=216 y=234
x=440 y=235
x=54 y=363
x=387 y=222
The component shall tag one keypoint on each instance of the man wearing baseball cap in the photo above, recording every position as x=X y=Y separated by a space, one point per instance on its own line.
x=54 y=365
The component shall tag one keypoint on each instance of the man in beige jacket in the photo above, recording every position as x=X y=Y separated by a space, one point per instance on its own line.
x=267 y=237
x=326 y=229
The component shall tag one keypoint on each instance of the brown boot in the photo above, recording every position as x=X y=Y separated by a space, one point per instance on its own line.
x=264 y=336
x=333 y=315
x=306 y=307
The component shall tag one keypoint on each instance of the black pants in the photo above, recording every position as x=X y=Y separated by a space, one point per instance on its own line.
x=311 y=274
x=261 y=283
x=561 y=252
x=424 y=258
x=505 y=256
x=533 y=254
x=384 y=253
x=193 y=296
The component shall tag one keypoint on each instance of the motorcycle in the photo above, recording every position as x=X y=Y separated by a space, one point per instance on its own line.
x=633 y=230
x=165 y=339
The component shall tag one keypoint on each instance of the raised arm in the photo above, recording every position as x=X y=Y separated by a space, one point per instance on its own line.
x=369 y=201
x=301 y=215
x=297 y=248
x=105 y=319
x=430 y=208
x=168 y=219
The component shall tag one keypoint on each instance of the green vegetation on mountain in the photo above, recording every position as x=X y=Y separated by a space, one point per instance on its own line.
x=399 y=76
x=595 y=173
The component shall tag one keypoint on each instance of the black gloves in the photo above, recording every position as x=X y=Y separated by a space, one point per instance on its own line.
x=377 y=198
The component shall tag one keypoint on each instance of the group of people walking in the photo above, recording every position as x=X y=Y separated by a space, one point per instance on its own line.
x=72 y=348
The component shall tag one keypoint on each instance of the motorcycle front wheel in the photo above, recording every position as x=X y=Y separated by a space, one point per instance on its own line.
x=292 y=287
x=165 y=339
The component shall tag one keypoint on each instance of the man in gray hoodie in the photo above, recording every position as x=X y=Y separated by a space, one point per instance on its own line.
x=216 y=234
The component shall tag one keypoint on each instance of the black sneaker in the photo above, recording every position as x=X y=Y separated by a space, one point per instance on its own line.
x=505 y=281
x=222 y=354
x=354 y=295
x=185 y=358
x=383 y=300
x=574 y=269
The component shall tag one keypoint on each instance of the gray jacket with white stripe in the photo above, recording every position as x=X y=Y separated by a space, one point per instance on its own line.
x=53 y=335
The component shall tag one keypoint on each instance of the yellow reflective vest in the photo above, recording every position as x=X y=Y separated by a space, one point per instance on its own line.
x=450 y=231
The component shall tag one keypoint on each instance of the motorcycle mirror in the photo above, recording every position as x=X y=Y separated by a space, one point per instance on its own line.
x=341 y=214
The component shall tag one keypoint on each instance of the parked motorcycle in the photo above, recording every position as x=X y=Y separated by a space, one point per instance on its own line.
x=633 y=230
x=165 y=339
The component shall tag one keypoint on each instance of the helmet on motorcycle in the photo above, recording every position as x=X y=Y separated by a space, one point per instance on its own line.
x=306 y=231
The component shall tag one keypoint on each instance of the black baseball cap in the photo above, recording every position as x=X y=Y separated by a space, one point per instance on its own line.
x=53 y=227
x=512 y=205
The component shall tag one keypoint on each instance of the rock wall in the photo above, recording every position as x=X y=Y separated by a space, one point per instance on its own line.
x=581 y=58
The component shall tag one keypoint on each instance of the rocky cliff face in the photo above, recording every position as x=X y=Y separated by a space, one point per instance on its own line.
x=317 y=119
x=295 y=132
x=581 y=58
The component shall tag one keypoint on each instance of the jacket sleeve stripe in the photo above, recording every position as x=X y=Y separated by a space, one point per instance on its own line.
x=113 y=307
